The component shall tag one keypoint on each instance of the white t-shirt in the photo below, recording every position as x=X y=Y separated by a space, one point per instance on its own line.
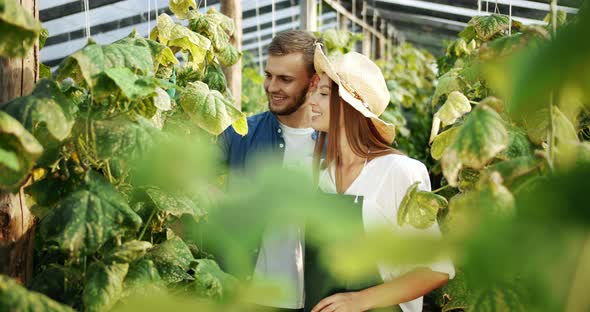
x=383 y=182
x=281 y=253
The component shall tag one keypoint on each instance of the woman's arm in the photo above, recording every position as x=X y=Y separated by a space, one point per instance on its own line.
x=405 y=288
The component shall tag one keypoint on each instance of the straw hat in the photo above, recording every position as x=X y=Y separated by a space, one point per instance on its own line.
x=361 y=84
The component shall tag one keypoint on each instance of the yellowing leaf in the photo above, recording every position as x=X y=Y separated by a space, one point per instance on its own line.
x=175 y=35
x=448 y=83
x=442 y=141
x=419 y=208
x=209 y=109
x=19 y=29
x=181 y=7
x=455 y=107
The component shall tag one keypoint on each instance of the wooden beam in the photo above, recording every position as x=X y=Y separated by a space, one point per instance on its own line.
x=309 y=13
x=233 y=74
x=342 y=10
x=17 y=225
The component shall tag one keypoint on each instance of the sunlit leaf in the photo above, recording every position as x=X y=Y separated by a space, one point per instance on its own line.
x=123 y=138
x=104 y=286
x=175 y=35
x=142 y=277
x=88 y=217
x=209 y=109
x=181 y=7
x=482 y=136
x=486 y=27
x=114 y=81
x=18 y=152
x=19 y=29
x=161 y=54
x=14 y=297
x=455 y=106
x=448 y=83
x=419 y=208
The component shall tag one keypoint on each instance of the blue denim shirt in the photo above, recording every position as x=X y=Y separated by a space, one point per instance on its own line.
x=264 y=136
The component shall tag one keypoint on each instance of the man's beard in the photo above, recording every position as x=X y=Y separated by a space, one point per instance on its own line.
x=289 y=109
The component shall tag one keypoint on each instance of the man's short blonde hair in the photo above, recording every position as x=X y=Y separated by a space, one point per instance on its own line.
x=295 y=41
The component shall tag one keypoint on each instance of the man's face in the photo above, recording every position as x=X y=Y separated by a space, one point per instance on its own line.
x=286 y=83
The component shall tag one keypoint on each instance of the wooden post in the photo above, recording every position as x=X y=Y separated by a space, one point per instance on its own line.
x=233 y=74
x=17 y=225
x=366 y=33
x=309 y=12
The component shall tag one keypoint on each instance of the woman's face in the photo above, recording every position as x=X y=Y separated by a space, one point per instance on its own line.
x=320 y=104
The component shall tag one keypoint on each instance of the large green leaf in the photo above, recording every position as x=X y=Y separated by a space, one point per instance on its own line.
x=128 y=252
x=142 y=277
x=173 y=204
x=512 y=169
x=228 y=55
x=18 y=152
x=481 y=138
x=174 y=35
x=419 y=208
x=88 y=217
x=123 y=138
x=14 y=297
x=172 y=259
x=161 y=54
x=18 y=27
x=104 y=286
x=454 y=295
x=86 y=64
x=46 y=112
x=566 y=141
x=211 y=281
x=210 y=110
x=122 y=80
x=501 y=298
x=181 y=7
x=518 y=144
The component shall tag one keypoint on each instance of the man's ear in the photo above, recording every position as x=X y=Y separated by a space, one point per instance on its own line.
x=314 y=81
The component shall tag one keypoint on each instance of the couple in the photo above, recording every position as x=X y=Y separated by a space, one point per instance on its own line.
x=341 y=100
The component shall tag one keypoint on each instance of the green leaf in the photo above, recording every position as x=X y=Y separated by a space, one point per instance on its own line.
x=215 y=78
x=172 y=259
x=482 y=136
x=88 y=63
x=43 y=35
x=454 y=294
x=44 y=71
x=59 y=282
x=467 y=179
x=487 y=27
x=143 y=277
x=565 y=149
x=448 y=83
x=181 y=7
x=174 y=35
x=161 y=54
x=114 y=81
x=228 y=55
x=512 y=169
x=128 y=252
x=209 y=109
x=419 y=208
x=19 y=29
x=88 y=217
x=18 y=152
x=518 y=144
x=173 y=204
x=504 y=298
x=14 y=297
x=104 y=286
x=455 y=106
x=211 y=281
x=442 y=141
x=215 y=26
x=46 y=109
x=123 y=138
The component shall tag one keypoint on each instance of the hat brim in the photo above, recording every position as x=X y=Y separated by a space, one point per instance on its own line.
x=322 y=65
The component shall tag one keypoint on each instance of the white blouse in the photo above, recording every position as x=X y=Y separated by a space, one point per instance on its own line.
x=383 y=182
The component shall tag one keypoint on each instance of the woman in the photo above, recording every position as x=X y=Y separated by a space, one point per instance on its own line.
x=346 y=102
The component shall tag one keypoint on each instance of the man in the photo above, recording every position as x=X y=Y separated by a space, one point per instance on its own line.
x=283 y=131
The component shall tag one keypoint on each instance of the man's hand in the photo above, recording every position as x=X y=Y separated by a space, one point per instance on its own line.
x=342 y=302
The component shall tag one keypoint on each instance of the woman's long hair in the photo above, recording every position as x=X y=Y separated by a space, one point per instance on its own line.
x=361 y=134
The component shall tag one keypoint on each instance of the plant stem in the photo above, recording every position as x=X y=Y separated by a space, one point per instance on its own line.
x=441 y=188
x=474 y=102
x=147 y=224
